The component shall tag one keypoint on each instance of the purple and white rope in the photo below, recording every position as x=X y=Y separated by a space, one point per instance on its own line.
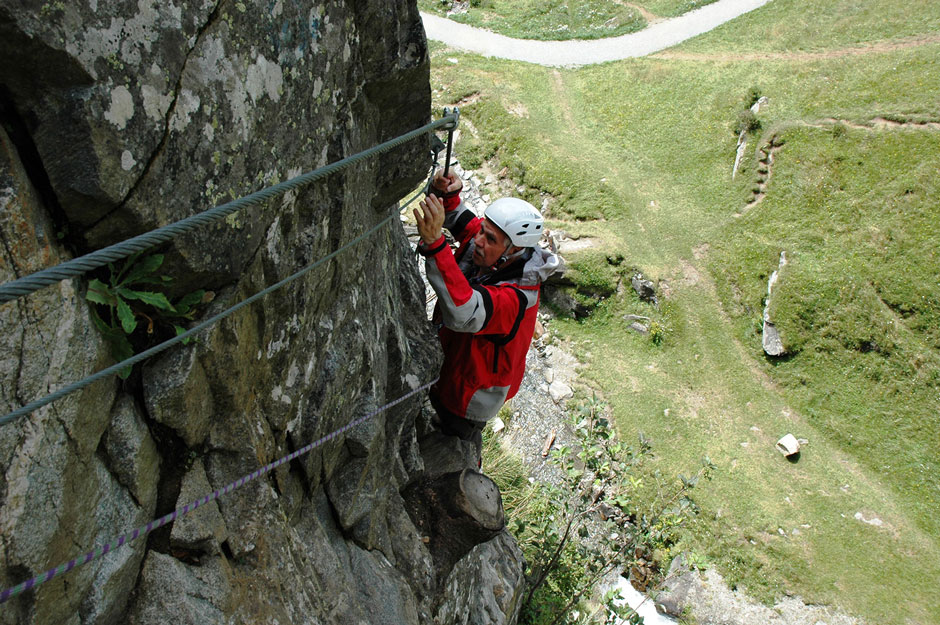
x=143 y=530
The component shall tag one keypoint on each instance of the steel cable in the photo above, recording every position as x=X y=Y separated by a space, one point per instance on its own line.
x=83 y=264
x=156 y=349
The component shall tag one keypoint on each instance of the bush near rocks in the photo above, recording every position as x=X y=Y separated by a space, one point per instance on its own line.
x=598 y=519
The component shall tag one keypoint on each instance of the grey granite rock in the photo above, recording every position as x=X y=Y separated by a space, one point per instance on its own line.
x=135 y=115
x=132 y=454
x=487 y=587
x=173 y=592
x=202 y=530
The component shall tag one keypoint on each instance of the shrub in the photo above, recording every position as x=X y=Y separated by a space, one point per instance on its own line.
x=657 y=333
x=753 y=95
x=595 y=520
x=747 y=122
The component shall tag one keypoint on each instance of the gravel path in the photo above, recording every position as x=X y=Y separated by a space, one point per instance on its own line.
x=653 y=38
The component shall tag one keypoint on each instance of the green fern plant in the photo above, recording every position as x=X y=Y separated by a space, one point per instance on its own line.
x=131 y=295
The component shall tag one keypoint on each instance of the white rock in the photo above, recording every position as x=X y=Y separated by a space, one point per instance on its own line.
x=772 y=343
x=872 y=521
x=559 y=391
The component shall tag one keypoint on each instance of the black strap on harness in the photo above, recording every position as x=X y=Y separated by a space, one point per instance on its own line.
x=503 y=340
x=487 y=303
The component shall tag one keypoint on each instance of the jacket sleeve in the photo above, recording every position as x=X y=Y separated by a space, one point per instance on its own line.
x=475 y=309
x=462 y=223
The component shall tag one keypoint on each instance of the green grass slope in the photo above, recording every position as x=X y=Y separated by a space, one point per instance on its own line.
x=545 y=19
x=638 y=155
x=808 y=25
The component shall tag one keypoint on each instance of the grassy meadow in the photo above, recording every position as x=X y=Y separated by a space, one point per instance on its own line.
x=559 y=20
x=637 y=155
x=821 y=25
x=545 y=19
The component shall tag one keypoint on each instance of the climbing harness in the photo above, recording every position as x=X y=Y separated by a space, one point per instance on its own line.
x=143 y=530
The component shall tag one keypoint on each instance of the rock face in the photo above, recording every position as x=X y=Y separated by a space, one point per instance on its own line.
x=120 y=117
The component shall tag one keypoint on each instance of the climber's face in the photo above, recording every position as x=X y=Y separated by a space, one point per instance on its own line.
x=489 y=244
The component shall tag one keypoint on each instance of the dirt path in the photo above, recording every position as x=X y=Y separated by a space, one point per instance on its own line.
x=658 y=36
x=868 y=48
x=768 y=150
x=651 y=18
x=558 y=87
x=876 y=124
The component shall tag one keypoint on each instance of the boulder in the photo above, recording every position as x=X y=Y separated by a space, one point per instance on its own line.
x=173 y=592
x=116 y=574
x=132 y=454
x=644 y=288
x=51 y=481
x=560 y=391
x=442 y=454
x=564 y=298
x=454 y=512
x=177 y=394
x=771 y=341
x=412 y=557
x=380 y=586
x=487 y=587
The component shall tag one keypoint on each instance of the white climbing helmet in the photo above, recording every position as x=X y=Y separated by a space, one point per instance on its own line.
x=521 y=222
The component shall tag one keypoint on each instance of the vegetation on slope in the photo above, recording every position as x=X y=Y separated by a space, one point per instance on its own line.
x=820 y=25
x=545 y=19
x=638 y=156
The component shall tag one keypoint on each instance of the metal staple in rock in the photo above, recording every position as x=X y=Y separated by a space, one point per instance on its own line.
x=143 y=530
x=83 y=264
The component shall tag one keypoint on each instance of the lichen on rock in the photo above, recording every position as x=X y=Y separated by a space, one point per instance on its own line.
x=123 y=117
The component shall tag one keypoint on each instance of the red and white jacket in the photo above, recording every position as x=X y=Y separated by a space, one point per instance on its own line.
x=487 y=319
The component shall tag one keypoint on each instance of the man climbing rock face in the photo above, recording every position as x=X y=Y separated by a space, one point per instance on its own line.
x=487 y=300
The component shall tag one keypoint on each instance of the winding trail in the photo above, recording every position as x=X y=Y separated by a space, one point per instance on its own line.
x=656 y=37
x=863 y=48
